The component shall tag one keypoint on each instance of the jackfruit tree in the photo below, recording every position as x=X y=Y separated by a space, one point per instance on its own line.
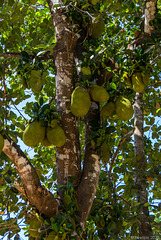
x=80 y=125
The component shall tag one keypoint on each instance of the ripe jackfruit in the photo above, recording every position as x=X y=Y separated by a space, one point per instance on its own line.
x=99 y=94
x=45 y=142
x=80 y=102
x=145 y=78
x=97 y=26
x=108 y=110
x=1 y=143
x=137 y=82
x=56 y=136
x=34 y=133
x=124 y=108
x=36 y=82
x=35 y=224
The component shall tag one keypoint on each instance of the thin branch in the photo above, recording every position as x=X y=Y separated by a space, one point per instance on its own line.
x=118 y=149
x=10 y=55
x=5 y=92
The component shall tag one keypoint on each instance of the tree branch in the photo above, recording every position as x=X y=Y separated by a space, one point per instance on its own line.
x=118 y=149
x=36 y=194
x=10 y=55
x=91 y=169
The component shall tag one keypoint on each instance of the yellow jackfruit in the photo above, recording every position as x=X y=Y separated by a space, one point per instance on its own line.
x=105 y=152
x=56 y=136
x=137 y=82
x=34 y=133
x=1 y=143
x=80 y=102
x=124 y=108
x=97 y=26
x=108 y=110
x=99 y=94
x=145 y=78
x=45 y=142
x=67 y=200
x=36 y=82
x=35 y=225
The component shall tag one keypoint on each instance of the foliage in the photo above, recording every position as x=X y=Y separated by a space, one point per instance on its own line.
x=26 y=28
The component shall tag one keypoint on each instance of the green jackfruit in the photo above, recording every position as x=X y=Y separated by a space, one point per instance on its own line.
x=124 y=108
x=56 y=136
x=99 y=94
x=51 y=235
x=35 y=224
x=67 y=200
x=45 y=142
x=137 y=82
x=54 y=123
x=34 y=133
x=145 y=78
x=1 y=143
x=24 y=83
x=105 y=152
x=80 y=102
x=108 y=110
x=97 y=26
x=36 y=82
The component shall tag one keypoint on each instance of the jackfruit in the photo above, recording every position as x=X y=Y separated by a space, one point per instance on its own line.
x=24 y=83
x=99 y=94
x=108 y=110
x=54 y=123
x=124 y=108
x=145 y=78
x=97 y=26
x=67 y=200
x=34 y=133
x=126 y=78
x=45 y=142
x=80 y=102
x=1 y=143
x=56 y=136
x=51 y=235
x=105 y=152
x=137 y=82
x=36 y=82
x=35 y=225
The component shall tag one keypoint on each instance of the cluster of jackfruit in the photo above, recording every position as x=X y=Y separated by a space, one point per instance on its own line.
x=36 y=133
x=138 y=80
x=35 y=82
x=81 y=101
x=122 y=108
x=1 y=143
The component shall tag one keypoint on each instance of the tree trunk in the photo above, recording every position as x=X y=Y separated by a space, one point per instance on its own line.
x=145 y=229
x=68 y=156
x=142 y=198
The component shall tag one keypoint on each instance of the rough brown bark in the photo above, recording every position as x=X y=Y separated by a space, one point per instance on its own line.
x=36 y=194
